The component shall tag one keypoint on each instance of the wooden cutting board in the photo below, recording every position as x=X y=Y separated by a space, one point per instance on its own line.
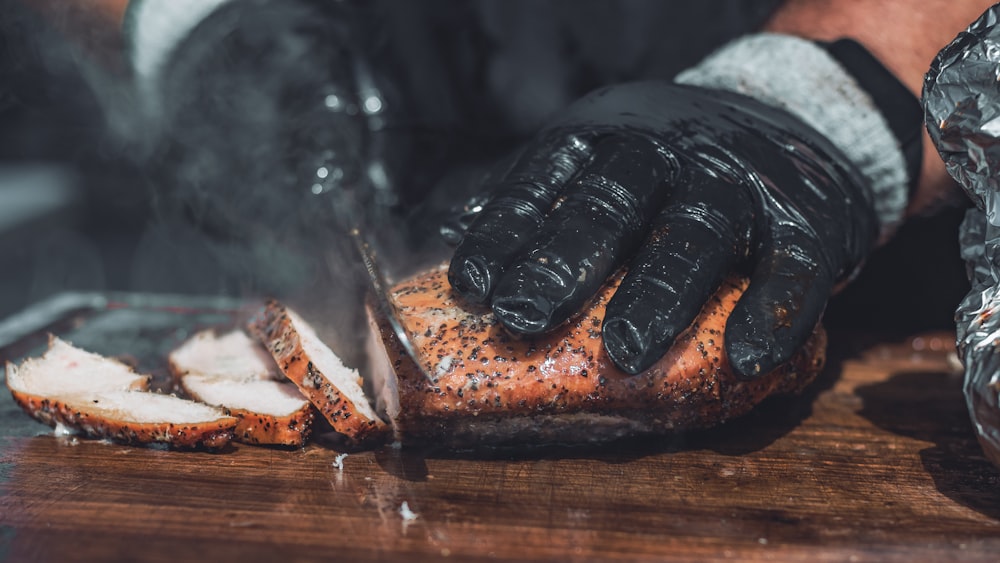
x=876 y=462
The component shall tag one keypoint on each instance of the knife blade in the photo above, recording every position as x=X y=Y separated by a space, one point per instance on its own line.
x=380 y=291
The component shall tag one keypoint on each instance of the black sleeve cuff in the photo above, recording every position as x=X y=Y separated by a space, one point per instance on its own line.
x=900 y=107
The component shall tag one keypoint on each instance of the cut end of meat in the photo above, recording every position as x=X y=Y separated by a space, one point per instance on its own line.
x=65 y=369
x=102 y=398
x=334 y=389
x=383 y=373
x=236 y=373
x=270 y=398
x=234 y=355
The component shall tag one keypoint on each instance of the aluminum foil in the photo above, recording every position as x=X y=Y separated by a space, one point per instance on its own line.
x=962 y=113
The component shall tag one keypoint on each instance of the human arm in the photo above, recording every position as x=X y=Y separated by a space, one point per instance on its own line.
x=904 y=35
x=801 y=230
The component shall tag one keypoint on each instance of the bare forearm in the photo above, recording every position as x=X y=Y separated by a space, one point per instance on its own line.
x=905 y=35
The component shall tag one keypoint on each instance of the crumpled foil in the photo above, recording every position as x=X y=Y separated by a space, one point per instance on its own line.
x=962 y=113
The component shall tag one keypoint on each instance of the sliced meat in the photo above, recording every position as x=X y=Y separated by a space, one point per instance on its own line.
x=333 y=388
x=493 y=388
x=235 y=372
x=103 y=398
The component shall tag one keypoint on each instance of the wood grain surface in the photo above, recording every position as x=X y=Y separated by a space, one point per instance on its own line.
x=875 y=462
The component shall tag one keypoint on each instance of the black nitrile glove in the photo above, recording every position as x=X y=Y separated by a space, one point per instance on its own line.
x=689 y=184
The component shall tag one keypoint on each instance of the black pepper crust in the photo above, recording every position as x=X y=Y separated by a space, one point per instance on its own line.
x=275 y=329
x=262 y=429
x=484 y=372
x=210 y=435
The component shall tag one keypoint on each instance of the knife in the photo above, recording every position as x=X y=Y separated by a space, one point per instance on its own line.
x=380 y=290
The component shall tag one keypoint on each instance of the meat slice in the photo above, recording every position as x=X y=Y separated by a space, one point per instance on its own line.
x=236 y=373
x=334 y=389
x=103 y=398
x=493 y=388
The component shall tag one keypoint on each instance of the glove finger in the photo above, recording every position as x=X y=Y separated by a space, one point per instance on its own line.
x=460 y=217
x=787 y=295
x=459 y=220
x=695 y=242
x=521 y=200
x=600 y=220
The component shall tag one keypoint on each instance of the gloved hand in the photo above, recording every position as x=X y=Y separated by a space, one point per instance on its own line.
x=690 y=184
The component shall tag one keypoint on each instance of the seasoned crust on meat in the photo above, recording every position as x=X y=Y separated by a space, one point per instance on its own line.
x=236 y=373
x=335 y=390
x=103 y=398
x=491 y=387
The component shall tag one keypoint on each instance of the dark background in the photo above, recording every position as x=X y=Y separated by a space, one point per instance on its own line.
x=77 y=213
